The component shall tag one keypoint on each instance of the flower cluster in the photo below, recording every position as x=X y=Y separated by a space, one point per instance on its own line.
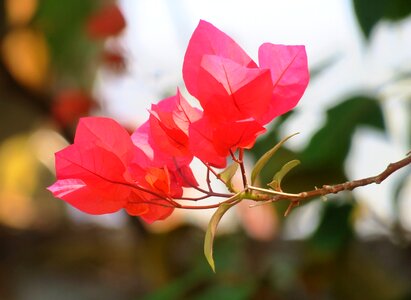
x=106 y=170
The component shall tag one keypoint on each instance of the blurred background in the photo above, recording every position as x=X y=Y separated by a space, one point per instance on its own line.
x=61 y=60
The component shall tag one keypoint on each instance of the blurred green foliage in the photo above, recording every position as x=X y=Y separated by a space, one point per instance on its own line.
x=369 y=13
x=64 y=26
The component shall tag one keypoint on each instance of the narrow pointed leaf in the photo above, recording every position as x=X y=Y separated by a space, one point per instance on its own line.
x=211 y=230
x=266 y=157
x=276 y=183
x=228 y=174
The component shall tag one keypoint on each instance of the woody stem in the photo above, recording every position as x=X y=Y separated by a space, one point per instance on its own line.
x=240 y=161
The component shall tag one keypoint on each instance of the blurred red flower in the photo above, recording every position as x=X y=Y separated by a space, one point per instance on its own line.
x=108 y=21
x=71 y=104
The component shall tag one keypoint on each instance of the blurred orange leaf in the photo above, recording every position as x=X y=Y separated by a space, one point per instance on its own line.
x=25 y=53
x=20 y=12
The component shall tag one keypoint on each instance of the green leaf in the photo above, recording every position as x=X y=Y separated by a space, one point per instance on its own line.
x=266 y=157
x=228 y=174
x=276 y=183
x=369 y=14
x=211 y=230
x=335 y=228
x=330 y=145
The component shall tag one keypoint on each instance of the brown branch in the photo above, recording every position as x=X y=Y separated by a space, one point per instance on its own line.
x=350 y=185
x=274 y=196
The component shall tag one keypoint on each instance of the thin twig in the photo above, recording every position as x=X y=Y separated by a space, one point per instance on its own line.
x=272 y=192
x=191 y=184
x=242 y=167
x=231 y=199
x=233 y=156
x=208 y=195
x=240 y=161
x=210 y=188
x=211 y=170
x=291 y=206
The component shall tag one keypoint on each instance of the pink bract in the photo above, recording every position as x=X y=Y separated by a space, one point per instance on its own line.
x=235 y=92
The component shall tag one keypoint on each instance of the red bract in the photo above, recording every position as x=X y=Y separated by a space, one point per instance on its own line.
x=169 y=123
x=211 y=142
x=100 y=173
x=239 y=97
x=180 y=172
x=107 y=22
x=164 y=138
x=202 y=143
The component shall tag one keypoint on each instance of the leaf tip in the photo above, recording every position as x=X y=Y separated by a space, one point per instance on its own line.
x=208 y=252
x=212 y=264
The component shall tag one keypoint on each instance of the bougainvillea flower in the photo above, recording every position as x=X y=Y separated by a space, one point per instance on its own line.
x=106 y=169
x=149 y=206
x=245 y=92
x=238 y=96
x=100 y=173
x=164 y=137
x=217 y=69
x=212 y=143
x=178 y=165
x=155 y=179
x=169 y=124
x=108 y=21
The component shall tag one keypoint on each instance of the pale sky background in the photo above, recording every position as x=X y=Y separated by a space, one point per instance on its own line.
x=157 y=36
